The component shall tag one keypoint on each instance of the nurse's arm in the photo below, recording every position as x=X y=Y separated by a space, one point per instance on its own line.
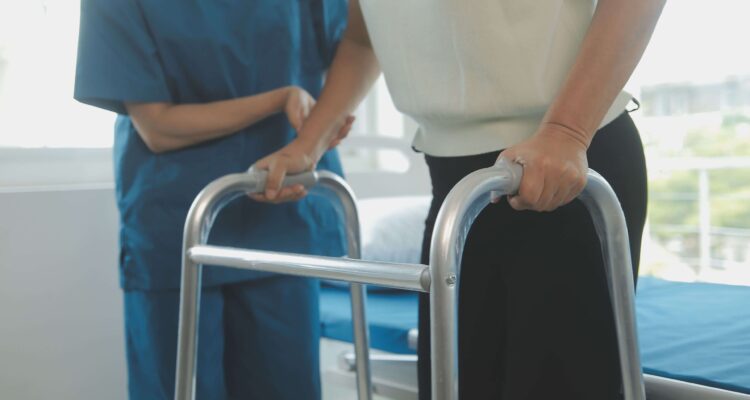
x=555 y=157
x=166 y=126
x=352 y=73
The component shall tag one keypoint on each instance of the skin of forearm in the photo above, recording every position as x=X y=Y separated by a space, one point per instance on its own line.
x=165 y=127
x=352 y=74
x=615 y=41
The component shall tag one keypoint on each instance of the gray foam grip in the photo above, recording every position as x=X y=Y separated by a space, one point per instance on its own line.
x=306 y=179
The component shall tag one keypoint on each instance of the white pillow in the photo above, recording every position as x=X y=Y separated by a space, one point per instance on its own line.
x=392 y=228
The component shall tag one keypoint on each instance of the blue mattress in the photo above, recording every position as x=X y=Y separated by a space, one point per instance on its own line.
x=390 y=315
x=694 y=332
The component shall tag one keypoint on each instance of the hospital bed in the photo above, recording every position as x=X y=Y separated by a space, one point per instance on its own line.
x=694 y=337
x=438 y=279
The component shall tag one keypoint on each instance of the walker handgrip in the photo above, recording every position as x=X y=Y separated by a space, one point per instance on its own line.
x=306 y=179
x=516 y=173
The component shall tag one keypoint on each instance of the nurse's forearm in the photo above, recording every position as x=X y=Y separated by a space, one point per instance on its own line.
x=350 y=77
x=165 y=126
x=613 y=46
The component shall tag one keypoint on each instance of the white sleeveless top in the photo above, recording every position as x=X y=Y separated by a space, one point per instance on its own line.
x=477 y=75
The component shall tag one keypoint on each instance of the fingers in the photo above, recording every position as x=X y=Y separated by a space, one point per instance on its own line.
x=334 y=144
x=301 y=115
x=298 y=108
x=345 y=128
x=531 y=189
x=578 y=183
x=274 y=193
x=295 y=119
x=305 y=109
x=343 y=132
x=276 y=175
x=291 y=159
x=547 y=187
x=554 y=171
x=290 y=193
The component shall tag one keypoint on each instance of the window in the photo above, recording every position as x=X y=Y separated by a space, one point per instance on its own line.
x=694 y=88
x=377 y=116
x=37 y=66
x=694 y=85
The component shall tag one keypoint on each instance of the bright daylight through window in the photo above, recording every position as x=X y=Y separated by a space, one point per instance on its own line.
x=38 y=40
x=694 y=87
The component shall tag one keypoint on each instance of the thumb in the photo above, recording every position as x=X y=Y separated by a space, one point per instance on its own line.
x=297 y=119
x=516 y=203
x=294 y=114
x=276 y=174
x=508 y=154
x=346 y=127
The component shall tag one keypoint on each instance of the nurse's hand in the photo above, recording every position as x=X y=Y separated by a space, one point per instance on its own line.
x=297 y=106
x=554 y=168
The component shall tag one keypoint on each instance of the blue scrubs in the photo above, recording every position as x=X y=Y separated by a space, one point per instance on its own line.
x=198 y=51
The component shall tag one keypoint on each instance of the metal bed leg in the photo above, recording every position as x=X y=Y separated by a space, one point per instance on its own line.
x=461 y=207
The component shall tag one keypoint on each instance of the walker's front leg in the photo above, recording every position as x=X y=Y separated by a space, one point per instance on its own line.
x=197 y=226
x=459 y=210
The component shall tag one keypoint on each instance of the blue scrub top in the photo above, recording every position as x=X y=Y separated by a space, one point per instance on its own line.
x=195 y=51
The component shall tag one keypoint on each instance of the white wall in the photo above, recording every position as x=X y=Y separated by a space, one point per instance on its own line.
x=61 y=330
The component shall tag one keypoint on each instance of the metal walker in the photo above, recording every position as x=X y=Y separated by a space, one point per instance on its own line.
x=439 y=279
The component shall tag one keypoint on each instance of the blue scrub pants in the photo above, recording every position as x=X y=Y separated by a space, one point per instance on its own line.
x=258 y=340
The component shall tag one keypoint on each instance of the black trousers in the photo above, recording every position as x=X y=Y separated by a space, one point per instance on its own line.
x=535 y=320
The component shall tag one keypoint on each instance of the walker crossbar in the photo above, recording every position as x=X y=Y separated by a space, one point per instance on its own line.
x=413 y=277
x=461 y=207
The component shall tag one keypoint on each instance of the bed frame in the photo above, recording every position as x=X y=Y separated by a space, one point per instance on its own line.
x=401 y=385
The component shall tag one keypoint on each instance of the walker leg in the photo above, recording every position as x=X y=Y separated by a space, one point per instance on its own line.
x=187 y=342
x=612 y=230
x=339 y=191
x=361 y=341
x=459 y=210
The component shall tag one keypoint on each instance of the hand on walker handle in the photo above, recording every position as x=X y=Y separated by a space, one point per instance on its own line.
x=300 y=155
x=554 y=169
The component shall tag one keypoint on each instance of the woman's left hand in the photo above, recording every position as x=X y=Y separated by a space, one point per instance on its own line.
x=296 y=157
x=300 y=155
x=554 y=168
